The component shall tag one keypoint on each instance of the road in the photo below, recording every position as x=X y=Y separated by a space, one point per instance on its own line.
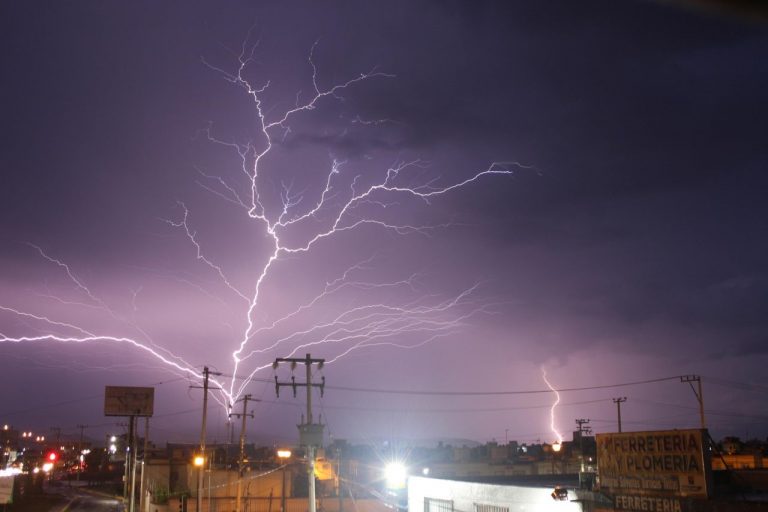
x=78 y=499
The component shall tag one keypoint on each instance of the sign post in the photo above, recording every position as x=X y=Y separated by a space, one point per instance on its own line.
x=130 y=401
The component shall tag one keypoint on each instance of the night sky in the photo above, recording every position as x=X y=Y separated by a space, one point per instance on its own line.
x=622 y=237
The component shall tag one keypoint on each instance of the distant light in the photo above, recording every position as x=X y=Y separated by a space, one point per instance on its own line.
x=395 y=475
x=48 y=466
x=425 y=471
x=113 y=439
x=5 y=427
x=112 y=448
x=199 y=460
x=557 y=446
x=284 y=454
x=36 y=470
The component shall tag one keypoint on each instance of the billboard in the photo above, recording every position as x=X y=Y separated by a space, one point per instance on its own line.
x=661 y=463
x=128 y=401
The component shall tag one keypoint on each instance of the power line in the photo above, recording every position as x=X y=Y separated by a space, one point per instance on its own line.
x=495 y=393
x=481 y=393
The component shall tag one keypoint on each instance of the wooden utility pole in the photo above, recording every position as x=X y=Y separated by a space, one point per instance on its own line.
x=690 y=379
x=241 y=459
x=618 y=402
x=206 y=377
x=310 y=433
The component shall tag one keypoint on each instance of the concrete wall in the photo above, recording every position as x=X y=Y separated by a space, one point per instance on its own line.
x=223 y=483
x=274 y=505
x=465 y=495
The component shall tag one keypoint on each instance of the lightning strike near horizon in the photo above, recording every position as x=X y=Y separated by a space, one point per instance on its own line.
x=558 y=436
x=347 y=313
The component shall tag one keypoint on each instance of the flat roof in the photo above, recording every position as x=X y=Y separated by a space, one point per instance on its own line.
x=570 y=481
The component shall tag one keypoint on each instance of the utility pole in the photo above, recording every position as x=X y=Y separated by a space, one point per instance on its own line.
x=310 y=434
x=618 y=402
x=142 y=483
x=582 y=429
x=338 y=476
x=135 y=458
x=241 y=460
x=690 y=379
x=80 y=451
x=206 y=376
x=130 y=461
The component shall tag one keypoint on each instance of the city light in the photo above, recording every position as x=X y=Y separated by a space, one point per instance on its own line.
x=284 y=454
x=199 y=460
x=395 y=475
x=556 y=446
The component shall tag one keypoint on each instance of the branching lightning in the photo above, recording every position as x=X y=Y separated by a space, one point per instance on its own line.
x=346 y=202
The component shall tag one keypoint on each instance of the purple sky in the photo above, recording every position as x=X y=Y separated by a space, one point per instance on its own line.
x=630 y=244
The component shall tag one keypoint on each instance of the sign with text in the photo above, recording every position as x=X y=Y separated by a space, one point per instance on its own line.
x=655 y=463
x=128 y=401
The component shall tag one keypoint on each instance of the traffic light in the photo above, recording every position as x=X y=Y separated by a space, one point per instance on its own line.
x=52 y=457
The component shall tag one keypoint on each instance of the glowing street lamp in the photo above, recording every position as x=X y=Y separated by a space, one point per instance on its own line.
x=199 y=461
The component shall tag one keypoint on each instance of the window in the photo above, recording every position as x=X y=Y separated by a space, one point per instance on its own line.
x=481 y=507
x=435 y=505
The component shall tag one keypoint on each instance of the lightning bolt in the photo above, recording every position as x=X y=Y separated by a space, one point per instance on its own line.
x=559 y=438
x=350 y=312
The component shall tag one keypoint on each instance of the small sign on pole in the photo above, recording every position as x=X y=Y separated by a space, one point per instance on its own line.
x=128 y=401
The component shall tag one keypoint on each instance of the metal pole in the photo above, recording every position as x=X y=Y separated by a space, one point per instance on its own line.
x=282 y=492
x=338 y=475
x=241 y=461
x=310 y=449
x=79 y=451
x=210 y=470
x=618 y=402
x=308 y=365
x=132 y=501
x=311 y=476
x=127 y=462
x=202 y=441
x=142 y=492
